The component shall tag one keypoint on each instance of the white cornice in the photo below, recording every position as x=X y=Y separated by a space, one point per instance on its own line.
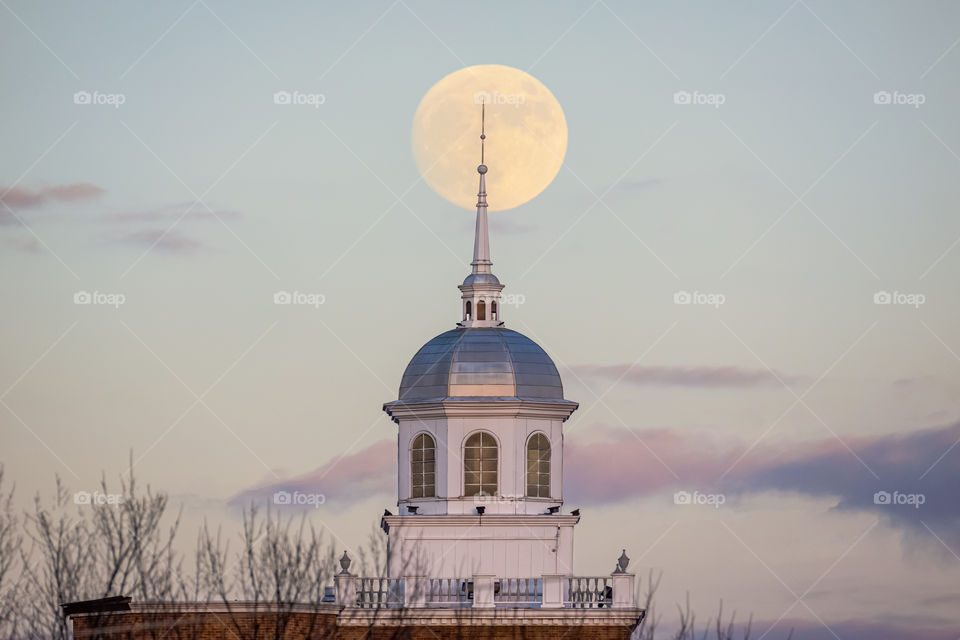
x=480 y=408
x=493 y=519
x=490 y=617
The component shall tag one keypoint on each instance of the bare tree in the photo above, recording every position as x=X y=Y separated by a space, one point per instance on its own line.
x=87 y=546
x=10 y=541
x=279 y=567
x=58 y=567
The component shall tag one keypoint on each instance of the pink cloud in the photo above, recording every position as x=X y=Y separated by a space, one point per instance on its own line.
x=172 y=241
x=705 y=377
x=20 y=198
x=342 y=481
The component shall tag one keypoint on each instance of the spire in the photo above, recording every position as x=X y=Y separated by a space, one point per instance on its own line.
x=480 y=292
x=481 y=242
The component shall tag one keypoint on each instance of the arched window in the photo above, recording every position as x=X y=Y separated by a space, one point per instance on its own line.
x=493 y=310
x=480 y=465
x=538 y=466
x=481 y=310
x=469 y=311
x=422 y=467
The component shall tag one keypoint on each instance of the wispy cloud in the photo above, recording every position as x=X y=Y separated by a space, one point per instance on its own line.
x=342 y=481
x=703 y=376
x=188 y=211
x=925 y=462
x=20 y=198
x=170 y=241
x=155 y=226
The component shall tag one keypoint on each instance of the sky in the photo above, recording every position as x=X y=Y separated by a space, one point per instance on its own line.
x=745 y=271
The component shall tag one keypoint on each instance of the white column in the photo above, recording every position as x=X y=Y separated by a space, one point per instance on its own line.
x=415 y=591
x=553 y=591
x=346 y=589
x=623 y=590
x=483 y=591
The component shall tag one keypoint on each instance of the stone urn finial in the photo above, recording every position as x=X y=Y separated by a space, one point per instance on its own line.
x=345 y=562
x=622 y=562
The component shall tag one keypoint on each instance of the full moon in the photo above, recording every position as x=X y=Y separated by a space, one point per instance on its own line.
x=525 y=128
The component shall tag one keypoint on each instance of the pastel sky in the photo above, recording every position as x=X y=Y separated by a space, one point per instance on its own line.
x=826 y=178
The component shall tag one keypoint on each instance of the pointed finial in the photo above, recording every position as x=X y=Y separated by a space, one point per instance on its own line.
x=483 y=135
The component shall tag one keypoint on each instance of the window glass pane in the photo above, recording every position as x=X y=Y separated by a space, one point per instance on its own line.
x=422 y=479
x=538 y=466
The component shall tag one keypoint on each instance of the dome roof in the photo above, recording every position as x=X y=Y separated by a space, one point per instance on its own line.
x=481 y=362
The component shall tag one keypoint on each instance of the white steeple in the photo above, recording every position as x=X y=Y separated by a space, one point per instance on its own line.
x=480 y=291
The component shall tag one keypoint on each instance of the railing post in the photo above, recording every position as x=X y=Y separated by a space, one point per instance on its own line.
x=346 y=589
x=623 y=597
x=483 y=591
x=553 y=591
x=415 y=591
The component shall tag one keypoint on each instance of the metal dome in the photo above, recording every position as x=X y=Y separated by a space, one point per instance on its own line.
x=481 y=362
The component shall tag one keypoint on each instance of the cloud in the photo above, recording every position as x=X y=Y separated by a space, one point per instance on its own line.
x=20 y=198
x=342 y=481
x=890 y=628
x=157 y=230
x=703 y=377
x=171 y=241
x=26 y=245
x=625 y=466
x=188 y=211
